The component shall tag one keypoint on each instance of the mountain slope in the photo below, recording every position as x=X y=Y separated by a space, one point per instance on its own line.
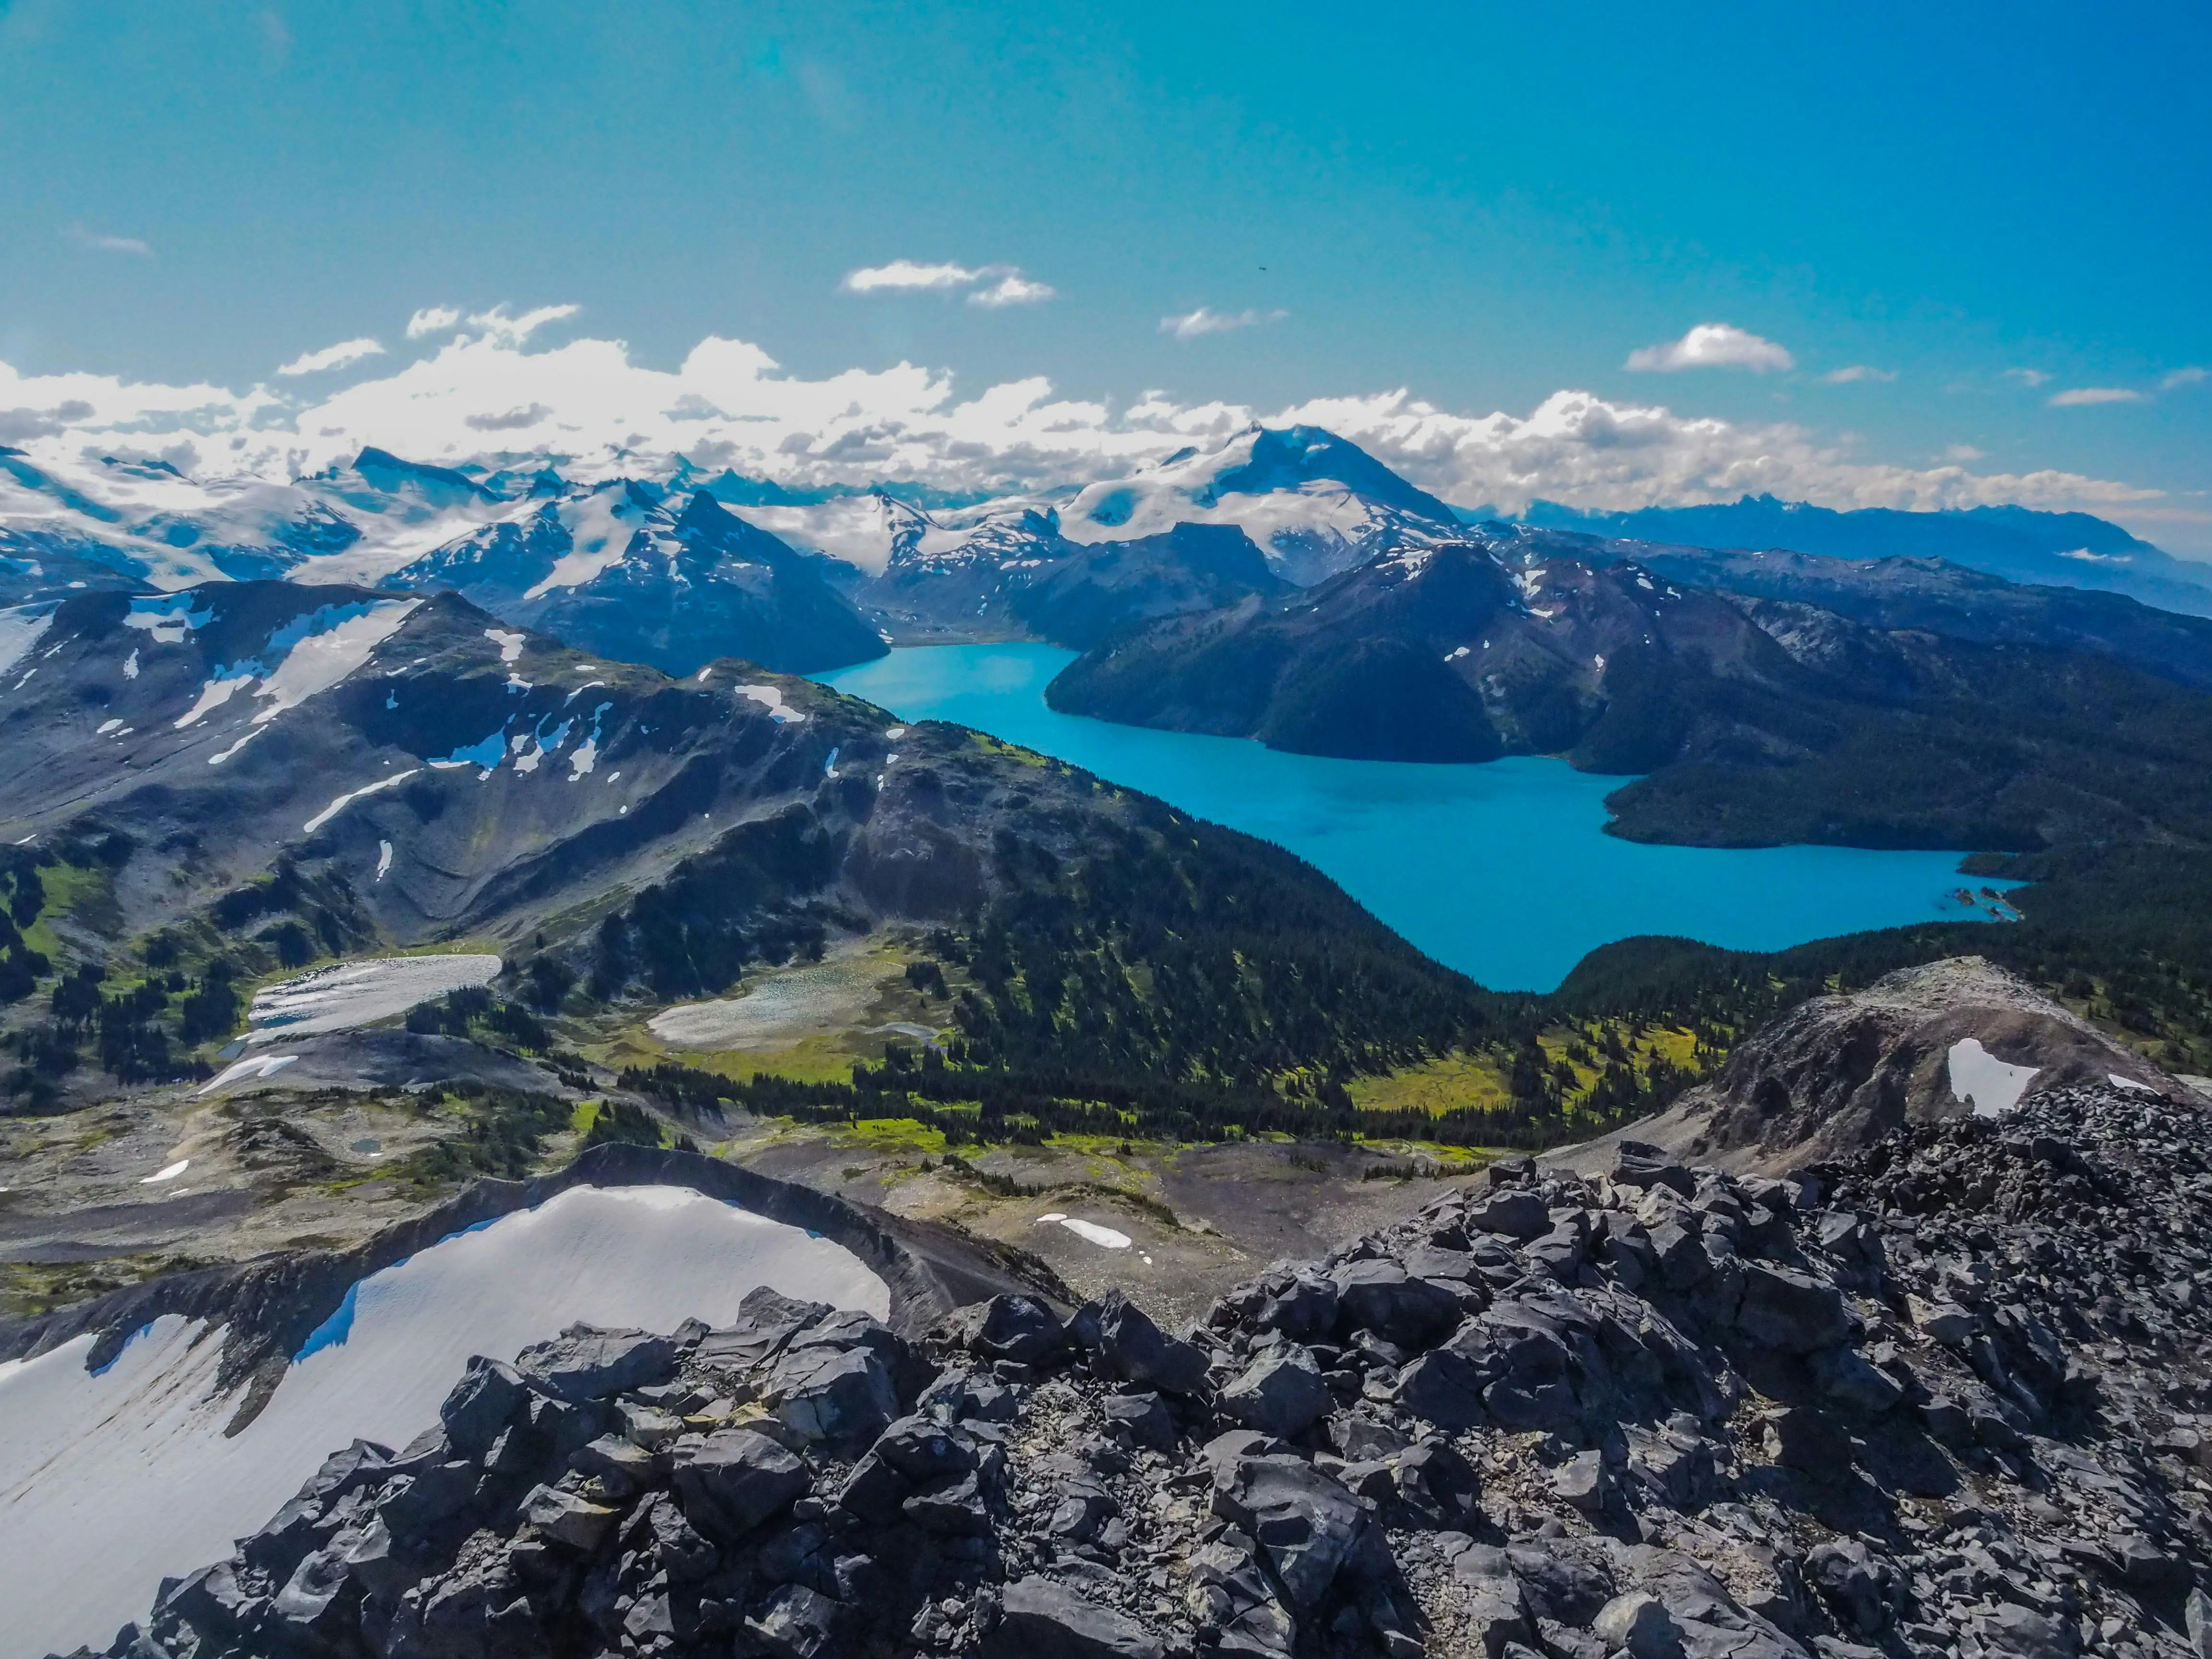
x=1930 y=595
x=262 y=772
x=1758 y=722
x=1315 y=503
x=618 y=571
x=2064 y=550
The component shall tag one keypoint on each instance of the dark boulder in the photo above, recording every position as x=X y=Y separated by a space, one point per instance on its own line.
x=730 y=1482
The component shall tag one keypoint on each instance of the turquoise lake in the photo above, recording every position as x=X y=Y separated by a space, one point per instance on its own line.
x=1502 y=871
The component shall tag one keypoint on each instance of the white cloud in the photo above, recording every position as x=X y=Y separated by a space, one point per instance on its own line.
x=515 y=330
x=905 y=276
x=337 y=356
x=1858 y=372
x=1712 y=345
x=432 y=319
x=489 y=393
x=1012 y=289
x=1964 y=452
x=100 y=244
x=2075 y=397
x=1207 y=320
x=2027 y=376
x=1008 y=285
x=2181 y=377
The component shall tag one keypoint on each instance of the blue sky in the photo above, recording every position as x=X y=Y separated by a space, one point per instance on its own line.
x=1978 y=208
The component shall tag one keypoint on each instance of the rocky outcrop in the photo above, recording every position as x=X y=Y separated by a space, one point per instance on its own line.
x=1949 y=1396
x=1838 y=1072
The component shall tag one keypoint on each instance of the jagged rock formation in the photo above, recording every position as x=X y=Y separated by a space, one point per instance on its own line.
x=1837 y=1072
x=1946 y=1397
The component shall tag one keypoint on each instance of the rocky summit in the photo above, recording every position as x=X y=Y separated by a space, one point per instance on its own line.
x=1951 y=1395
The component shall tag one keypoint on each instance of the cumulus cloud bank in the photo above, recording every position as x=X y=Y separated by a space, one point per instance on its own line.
x=1712 y=345
x=487 y=394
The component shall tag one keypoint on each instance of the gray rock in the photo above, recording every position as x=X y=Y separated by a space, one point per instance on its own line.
x=2011 y=1632
x=1379 y=1294
x=731 y=1481
x=1637 y=1164
x=1843 y=1571
x=1307 y=1525
x=1145 y=1416
x=586 y=1363
x=1280 y=1394
x=1443 y=1387
x=1511 y=1215
x=1789 y=1310
x=1133 y=1349
x=797 y=1622
x=2197 y=1615
x=923 y=1450
x=953 y=1507
x=766 y=1320
x=1638 y=1624
x=567 y=1519
x=838 y=1394
x=1020 y=1329
x=1582 y=1482
x=1846 y=1377
x=622 y=1464
x=485 y=1402
x=1039 y=1618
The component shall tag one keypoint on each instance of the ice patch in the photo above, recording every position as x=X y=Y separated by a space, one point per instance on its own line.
x=1979 y=1076
x=221 y=755
x=599 y=534
x=383 y=859
x=167 y=1173
x=168 y=619
x=19 y=631
x=350 y=993
x=771 y=698
x=350 y=796
x=509 y=644
x=253 y=1066
x=108 y=1483
x=1106 y=1238
x=213 y=695
x=2119 y=1082
x=105 y=727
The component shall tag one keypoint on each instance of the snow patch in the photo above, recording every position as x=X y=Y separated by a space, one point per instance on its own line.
x=1106 y=1238
x=350 y=796
x=253 y=1066
x=110 y=1482
x=509 y=643
x=1977 y=1075
x=19 y=631
x=168 y=1172
x=350 y=993
x=383 y=859
x=2119 y=1082
x=771 y=698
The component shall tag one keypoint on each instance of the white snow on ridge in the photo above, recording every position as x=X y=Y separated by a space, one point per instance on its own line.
x=509 y=643
x=770 y=697
x=20 y=629
x=600 y=527
x=343 y=801
x=350 y=993
x=324 y=658
x=108 y=1483
x=1992 y=1085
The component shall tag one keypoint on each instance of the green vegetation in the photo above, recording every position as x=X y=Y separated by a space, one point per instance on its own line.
x=487 y=1131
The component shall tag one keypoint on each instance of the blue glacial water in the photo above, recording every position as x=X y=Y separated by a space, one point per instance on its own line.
x=1502 y=871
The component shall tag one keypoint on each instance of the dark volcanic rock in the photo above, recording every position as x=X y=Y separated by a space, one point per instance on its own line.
x=1951 y=1395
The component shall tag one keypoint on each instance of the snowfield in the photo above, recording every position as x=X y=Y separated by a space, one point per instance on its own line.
x=1977 y=1075
x=109 y=1482
x=350 y=993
